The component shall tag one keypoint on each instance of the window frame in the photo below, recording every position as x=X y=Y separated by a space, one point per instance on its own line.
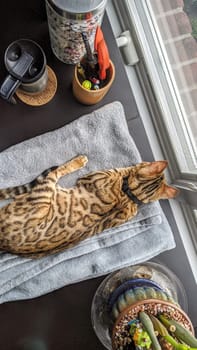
x=144 y=92
x=160 y=107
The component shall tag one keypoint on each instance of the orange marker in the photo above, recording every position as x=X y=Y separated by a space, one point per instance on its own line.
x=102 y=53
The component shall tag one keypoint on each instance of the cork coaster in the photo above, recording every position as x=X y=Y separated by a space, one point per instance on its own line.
x=43 y=97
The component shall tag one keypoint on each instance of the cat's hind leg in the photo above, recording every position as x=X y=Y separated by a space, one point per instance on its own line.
x=67 y=168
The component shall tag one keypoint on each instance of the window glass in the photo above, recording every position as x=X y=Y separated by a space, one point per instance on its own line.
x=177 y=24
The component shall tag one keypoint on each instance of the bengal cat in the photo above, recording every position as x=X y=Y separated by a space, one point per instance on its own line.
x=44 y=218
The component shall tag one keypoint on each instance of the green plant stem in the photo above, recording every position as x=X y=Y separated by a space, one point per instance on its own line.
x=180 y=332
x=176 y=345
x=147 y=323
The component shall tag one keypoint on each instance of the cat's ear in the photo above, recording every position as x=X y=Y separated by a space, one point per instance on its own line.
x=153 y=168
x=169 y=192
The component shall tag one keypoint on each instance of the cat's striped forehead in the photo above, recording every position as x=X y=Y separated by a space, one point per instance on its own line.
x=151 y=169
x=149 y=183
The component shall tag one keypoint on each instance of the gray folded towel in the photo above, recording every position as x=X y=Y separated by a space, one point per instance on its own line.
x=104 y=137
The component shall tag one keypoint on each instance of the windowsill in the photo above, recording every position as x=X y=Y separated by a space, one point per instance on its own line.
x=155 y=146
x=184 y=254
x=157 y=152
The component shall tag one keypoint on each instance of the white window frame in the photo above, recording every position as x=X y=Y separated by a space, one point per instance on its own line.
x=146 y=77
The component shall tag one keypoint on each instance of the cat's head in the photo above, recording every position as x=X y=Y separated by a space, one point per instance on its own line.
x=149 y=182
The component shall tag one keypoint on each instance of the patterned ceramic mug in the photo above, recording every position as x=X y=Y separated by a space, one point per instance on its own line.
x=66 y=21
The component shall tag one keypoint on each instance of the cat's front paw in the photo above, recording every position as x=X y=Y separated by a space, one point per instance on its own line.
x=81 y=160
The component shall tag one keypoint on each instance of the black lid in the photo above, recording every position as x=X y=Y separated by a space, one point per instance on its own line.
x=25 y=60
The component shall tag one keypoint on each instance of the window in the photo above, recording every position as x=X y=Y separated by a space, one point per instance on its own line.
x=165 y=37
x=176 y=22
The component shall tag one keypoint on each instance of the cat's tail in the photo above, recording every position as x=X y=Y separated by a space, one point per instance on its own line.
x=12 y=192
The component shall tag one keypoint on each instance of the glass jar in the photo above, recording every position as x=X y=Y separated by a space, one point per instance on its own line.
x=66 y=20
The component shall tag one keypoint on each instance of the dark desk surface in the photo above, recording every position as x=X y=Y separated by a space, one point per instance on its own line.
x=61 y=319
x=21 y=121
